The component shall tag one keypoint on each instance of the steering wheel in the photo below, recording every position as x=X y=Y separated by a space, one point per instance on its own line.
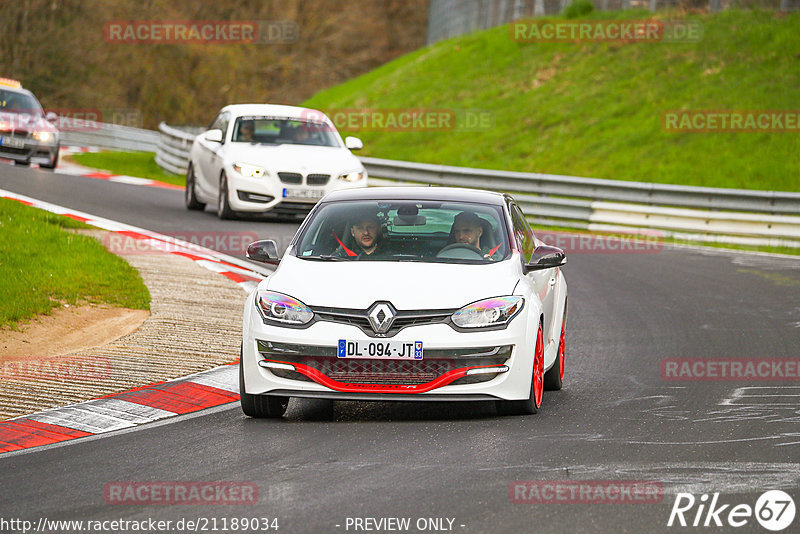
x=459 y=247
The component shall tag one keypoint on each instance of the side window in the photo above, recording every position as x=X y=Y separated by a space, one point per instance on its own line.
x=215 y=123
x=224 y=119
x=221 y=123
x=522 y=232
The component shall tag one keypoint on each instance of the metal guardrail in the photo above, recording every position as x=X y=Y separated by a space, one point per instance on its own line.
x=172 y=152
x=106 y=135
x=697 y=213
x=744 y=216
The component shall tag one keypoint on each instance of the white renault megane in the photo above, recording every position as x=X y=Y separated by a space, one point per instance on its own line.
x=407 y=293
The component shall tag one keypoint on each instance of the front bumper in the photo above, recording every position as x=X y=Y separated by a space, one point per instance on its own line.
x=502 y=359
x=270 y=193
x=32 y=151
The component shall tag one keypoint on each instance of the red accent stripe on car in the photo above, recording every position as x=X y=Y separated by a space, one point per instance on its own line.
x=345 y=387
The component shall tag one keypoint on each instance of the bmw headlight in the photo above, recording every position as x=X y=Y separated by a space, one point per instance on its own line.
x=353 y=176
x=282 y=308
x=251 y=171
x=43 y=137
x=496 y=311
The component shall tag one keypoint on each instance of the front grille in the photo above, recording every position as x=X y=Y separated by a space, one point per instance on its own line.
x=16 y=133
x=402 y=320
x=317 y=179
x=371 y=371
x=290 y=177
x=16 y=151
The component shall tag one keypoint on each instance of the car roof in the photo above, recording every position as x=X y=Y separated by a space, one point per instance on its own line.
x=276 y=110
x=417 y=193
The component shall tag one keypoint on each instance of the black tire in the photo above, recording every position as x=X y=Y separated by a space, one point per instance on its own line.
x=528 y=406
x=190 y=197
x=51 y=166
x=260 y=406
x=224 y=210
x=22 y=163
x=554 y=378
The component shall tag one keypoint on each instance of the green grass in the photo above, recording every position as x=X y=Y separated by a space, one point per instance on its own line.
x=43 y=266
x=139 y=164
x=594 y=109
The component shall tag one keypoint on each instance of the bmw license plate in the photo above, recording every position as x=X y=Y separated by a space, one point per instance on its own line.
x=303 y=193
x=384 y=350
x=11 y=142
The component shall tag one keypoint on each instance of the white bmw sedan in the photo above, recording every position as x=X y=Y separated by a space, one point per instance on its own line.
x=407 y=293
x=260 y=158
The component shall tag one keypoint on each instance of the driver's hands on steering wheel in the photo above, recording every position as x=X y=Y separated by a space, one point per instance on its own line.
x=460 y=246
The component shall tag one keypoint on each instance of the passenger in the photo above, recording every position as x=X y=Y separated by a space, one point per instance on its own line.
x=300 y=135
x=246 y=131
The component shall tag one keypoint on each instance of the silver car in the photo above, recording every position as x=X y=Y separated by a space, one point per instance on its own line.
x=27 y=134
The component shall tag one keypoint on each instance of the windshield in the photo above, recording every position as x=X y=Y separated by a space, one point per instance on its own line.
x=16 y=102
x=422 y=231
x=283 y=131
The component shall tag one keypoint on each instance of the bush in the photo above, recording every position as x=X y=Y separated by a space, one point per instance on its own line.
x=578 y=8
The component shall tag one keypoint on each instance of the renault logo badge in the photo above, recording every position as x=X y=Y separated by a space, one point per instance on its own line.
x=381 y=316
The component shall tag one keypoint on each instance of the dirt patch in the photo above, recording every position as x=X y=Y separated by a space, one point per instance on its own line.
x=69 y=329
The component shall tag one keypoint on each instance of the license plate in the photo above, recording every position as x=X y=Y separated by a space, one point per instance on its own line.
x=303 y=193
x=384 y=350
x=12 y=142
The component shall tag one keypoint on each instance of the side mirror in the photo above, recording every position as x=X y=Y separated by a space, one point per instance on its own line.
x=215 y=136
x=51 y=117
x=353 y=143
x=265 y=251
x=545 y=257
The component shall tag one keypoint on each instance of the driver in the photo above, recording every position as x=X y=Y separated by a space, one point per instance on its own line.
x=468 y=230
x=367 y=236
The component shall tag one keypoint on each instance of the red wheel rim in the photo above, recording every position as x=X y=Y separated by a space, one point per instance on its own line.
x=538 y=369
x=561 y=346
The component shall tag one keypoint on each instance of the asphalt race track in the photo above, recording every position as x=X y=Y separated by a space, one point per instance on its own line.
x=616 y=419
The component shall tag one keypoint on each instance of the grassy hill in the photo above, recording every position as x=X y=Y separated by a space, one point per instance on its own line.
x=594 y=109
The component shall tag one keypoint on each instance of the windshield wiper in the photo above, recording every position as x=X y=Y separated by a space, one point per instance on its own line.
x=323 y=257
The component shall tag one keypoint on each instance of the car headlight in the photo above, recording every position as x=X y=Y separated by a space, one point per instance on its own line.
x=353 y=176
x=251 y=171
x=43 y=137
x=282 y=308
x=496 y=311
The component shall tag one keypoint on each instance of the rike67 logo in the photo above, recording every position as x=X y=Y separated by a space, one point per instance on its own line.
x=774 y=510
